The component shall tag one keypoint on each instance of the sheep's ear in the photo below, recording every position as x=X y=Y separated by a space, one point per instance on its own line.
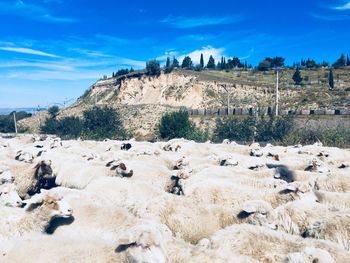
x=34 y=202
x=292 y=188
x=249 y=208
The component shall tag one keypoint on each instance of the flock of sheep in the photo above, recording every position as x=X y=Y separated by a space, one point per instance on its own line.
x=175 y=201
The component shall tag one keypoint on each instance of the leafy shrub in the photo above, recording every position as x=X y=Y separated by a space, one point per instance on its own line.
x=153 y=68
x=235 y=129
x=178 y=125
x=53 y=111
x=50 y=126
x=7 y=123
x=100 y=123
x=66 y=128
x=335 y=137
x=264 y=129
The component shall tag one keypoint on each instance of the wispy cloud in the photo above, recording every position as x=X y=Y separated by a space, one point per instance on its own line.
x=31 y=11
x=207 y=51
x=28 y=51
x=334 y=17
x=192 y=22
x=345 y=6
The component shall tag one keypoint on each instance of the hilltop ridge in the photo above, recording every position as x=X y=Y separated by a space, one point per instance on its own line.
x=144 y=98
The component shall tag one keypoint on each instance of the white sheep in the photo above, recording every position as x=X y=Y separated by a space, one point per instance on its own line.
x=332 y=226
x=334 y=199
x=9 y=195
x=310 y=254
x=266 y=245
x=6 y=177
x=336 y=182
x=35 y=217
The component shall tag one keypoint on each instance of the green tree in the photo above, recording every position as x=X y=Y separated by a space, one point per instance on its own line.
x=153 y=68
x=201 y=63
x=211 y=63
x=331 y=80
x=310 y=63
x=297 y=77
x=168 y=67
x=176 y=63
x=347 y=60
x=235 y=129
x=178 y=125
x=265 y=65
x=187 y=63
x=101 y=123
x=341 y=62
x=277 y=62
x=53 y=111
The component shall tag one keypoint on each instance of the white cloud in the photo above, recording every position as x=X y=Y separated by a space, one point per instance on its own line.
x=28 y=51
x=191 y=22
x=207 y=51
x=31 y=11
x=331 y=17
x=345 y=6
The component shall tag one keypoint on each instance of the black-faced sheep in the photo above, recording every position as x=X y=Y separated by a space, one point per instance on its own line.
x=30 y=180
x=175 y=186
x=126 y=146
x=120 y=169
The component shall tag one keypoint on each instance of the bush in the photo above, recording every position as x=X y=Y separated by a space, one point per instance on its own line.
x=235 y=129
x=6 y=121
x=53 y=111
x=264 y=129
x=101 y=123
x=334 y=137
x=97 y=124
x=66 y=128
x=153 y=68
x=178 y=125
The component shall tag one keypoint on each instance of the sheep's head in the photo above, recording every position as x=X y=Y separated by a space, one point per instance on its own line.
x=9 y=196
x=310 y=254
x=54 y=204
x=300 y=191
x=6 y=177
x=24 y=157
x=257 y=212
x=142 y=243
x=121 y=169
x=43 y=170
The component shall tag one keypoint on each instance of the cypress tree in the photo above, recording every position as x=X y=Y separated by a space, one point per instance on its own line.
x=211 y=63
x=297 y=77
x=167 y=65
x=175 y=63
x=331 y=80
x=347 y=60
x=187 y=63
x=201 y=63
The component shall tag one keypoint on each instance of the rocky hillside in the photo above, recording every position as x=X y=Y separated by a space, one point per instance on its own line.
x=145 y=98
x=207 y=89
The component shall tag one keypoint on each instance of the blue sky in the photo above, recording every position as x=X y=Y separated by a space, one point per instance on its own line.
x=53 y=50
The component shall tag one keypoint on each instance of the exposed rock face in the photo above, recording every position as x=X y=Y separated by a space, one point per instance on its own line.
x=145 y=98
x=178 y=90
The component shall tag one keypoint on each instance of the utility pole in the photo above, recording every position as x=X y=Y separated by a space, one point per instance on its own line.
x=228 y=99
x=277 y=94
x=15 y=122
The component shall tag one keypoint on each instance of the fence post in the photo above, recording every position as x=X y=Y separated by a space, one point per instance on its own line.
x=15 y=122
